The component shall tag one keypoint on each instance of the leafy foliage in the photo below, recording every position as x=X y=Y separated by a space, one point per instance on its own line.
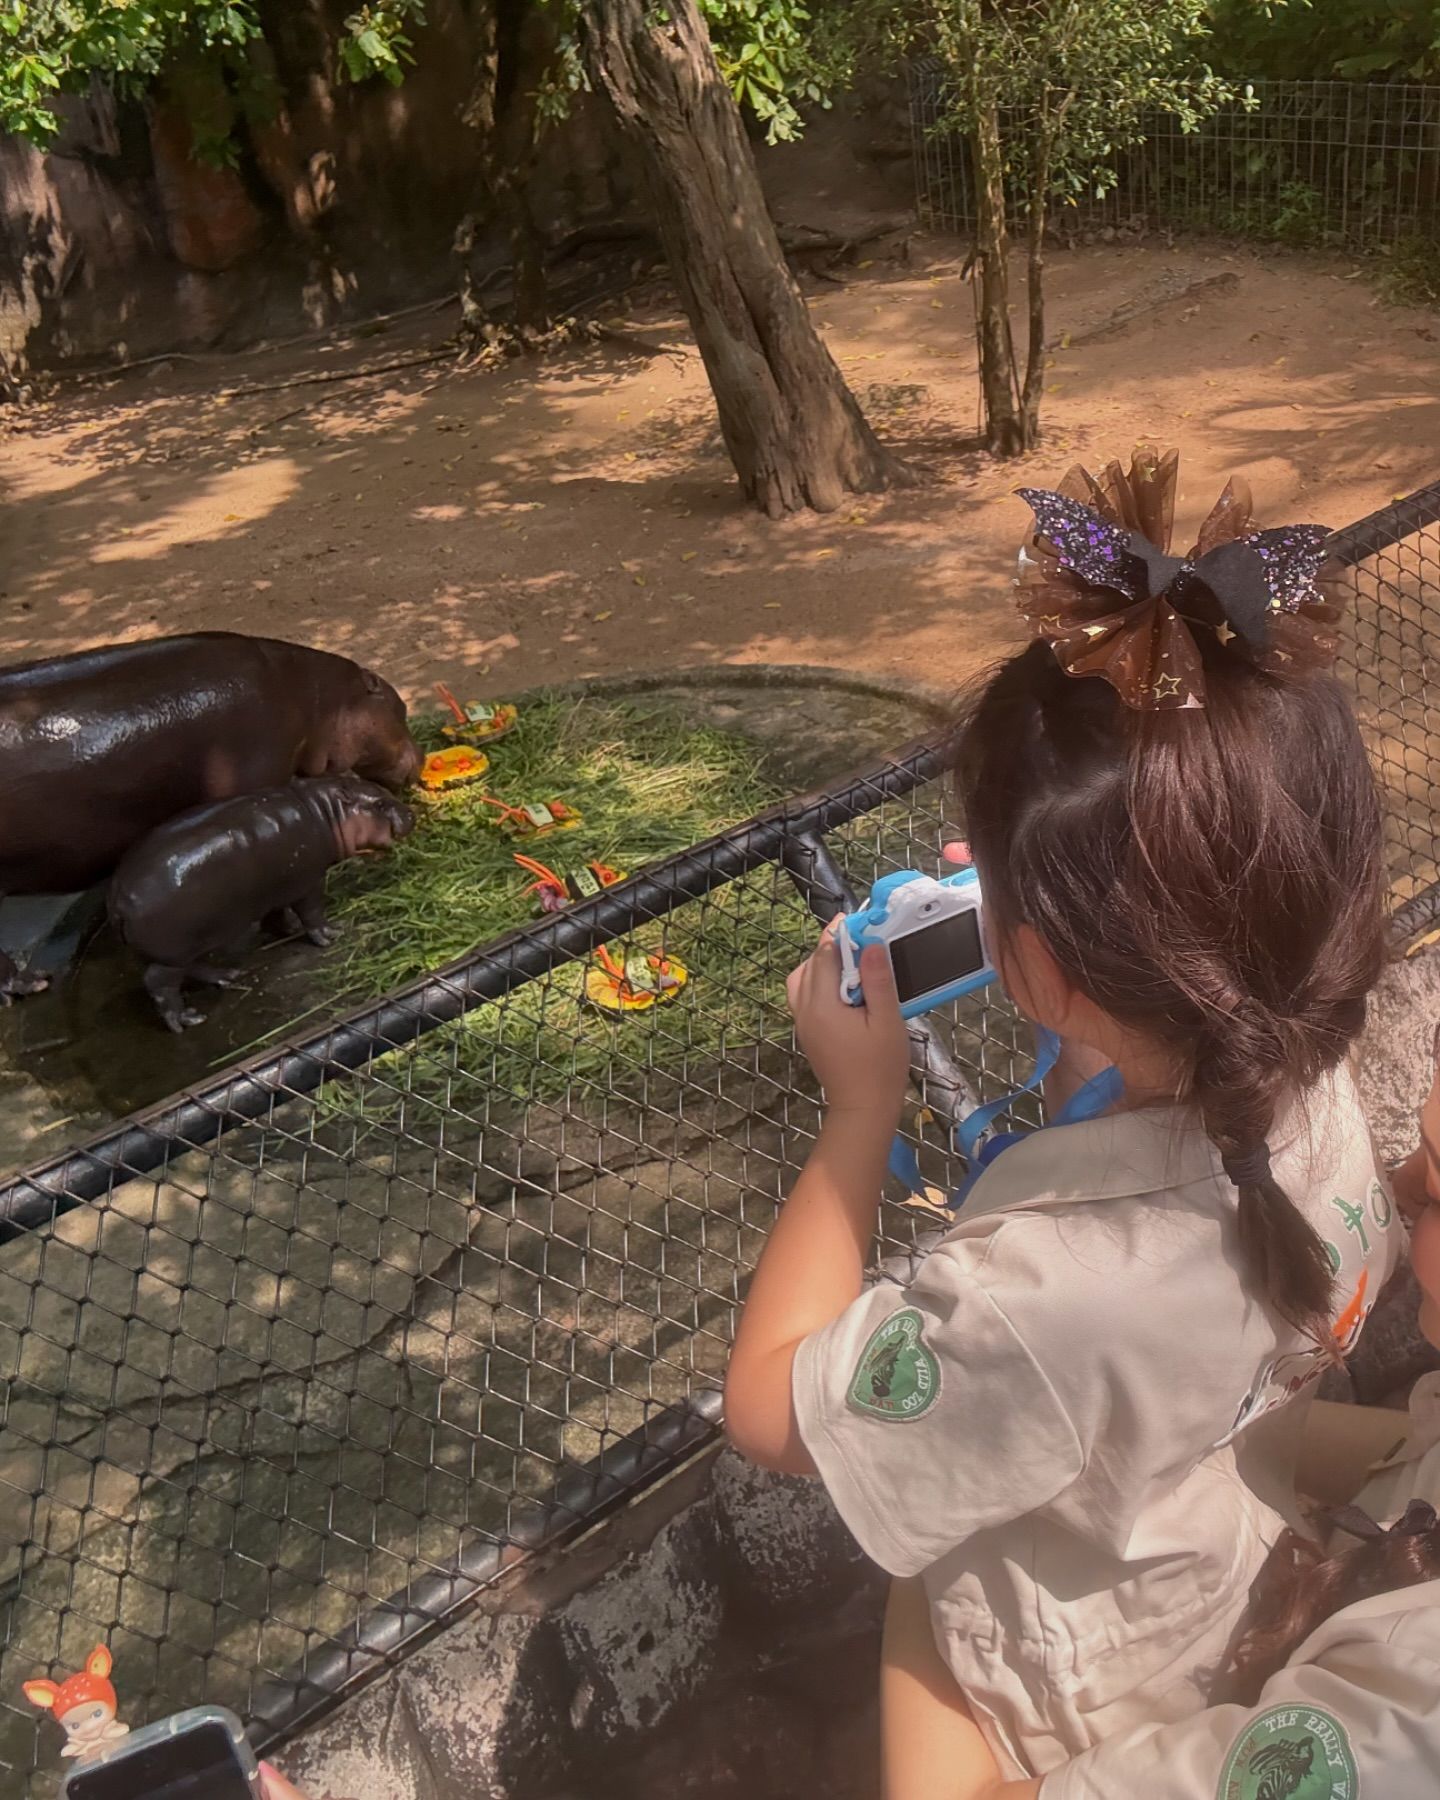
x=202 y=50
x=1073 y=78
x=1302 y=40
x=766 y=50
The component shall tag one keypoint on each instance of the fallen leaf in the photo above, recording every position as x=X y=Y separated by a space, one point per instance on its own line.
x=230 y=518
x=681 y=597
x=688 y=555
x=935 y=306
x=639 y=581
x=772 y=606
x=821 y=553
x=601 y=617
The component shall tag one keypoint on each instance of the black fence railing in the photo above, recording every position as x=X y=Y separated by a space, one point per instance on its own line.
x=297 y=1363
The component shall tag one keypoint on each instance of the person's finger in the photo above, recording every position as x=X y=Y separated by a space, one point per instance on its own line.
x=877 y=976
x=957 y=851
x=274 y=1786
x=795 y=987
x=826 y=960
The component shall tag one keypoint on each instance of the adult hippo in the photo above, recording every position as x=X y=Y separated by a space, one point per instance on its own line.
x=98 y=748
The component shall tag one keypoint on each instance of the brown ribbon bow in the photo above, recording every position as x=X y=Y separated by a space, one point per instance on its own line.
x=1098 y=583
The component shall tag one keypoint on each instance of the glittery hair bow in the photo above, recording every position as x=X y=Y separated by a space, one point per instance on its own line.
x=1418 y=1520
x=1098 y=583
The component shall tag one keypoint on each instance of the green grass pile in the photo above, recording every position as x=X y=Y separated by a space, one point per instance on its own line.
x=647 y=784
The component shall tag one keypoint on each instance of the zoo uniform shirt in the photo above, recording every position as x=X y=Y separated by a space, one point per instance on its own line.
x=1067 y=1419
x=1355 y=1712
x=1354 y=1715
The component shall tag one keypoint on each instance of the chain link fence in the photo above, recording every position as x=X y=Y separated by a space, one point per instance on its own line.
x=295 y=1365
x=1353 y=165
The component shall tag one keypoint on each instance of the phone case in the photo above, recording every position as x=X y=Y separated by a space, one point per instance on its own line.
x=148 y=1737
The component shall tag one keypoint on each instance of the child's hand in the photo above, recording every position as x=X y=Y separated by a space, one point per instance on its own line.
x=860 y=1053
x=1417 y=1180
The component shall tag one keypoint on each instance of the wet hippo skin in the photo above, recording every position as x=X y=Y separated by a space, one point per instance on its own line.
x=194 y=887
x=98 y=748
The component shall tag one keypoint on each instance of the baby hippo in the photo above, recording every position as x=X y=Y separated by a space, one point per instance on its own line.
x=194 y=887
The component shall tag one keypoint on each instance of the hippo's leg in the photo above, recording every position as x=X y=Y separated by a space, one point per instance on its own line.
x=13 y=984
x=311 y=913
x=210 y=975
x=163 y=985
x=285 y=922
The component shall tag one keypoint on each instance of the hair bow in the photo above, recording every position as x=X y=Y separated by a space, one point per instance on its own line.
x=1418 y=1519
x=1098 y=583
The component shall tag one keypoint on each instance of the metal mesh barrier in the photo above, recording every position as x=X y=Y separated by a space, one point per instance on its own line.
x=1349 y=163
x=294 y=1365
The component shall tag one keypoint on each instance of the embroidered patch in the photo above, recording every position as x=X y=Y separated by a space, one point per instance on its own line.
x=897 y=1376
x=1291 y=1753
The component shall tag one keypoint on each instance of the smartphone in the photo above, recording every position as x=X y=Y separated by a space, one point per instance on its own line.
x=201 y=1754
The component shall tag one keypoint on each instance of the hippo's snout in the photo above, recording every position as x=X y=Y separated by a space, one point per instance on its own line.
x=405 y=770
x=400 y=818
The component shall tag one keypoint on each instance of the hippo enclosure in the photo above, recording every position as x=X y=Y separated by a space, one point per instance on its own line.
x=296 y=1364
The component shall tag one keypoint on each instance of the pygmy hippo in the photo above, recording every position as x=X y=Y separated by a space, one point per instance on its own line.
x=98 y=748
x=192 y=889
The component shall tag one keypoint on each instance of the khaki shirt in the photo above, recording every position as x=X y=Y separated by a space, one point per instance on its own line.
x=1355 y=1712
x=1354 y=1715
x=1066 y=1419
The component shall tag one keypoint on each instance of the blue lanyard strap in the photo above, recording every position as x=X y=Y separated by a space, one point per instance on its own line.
x=1089 y=1101
x=974 y=1125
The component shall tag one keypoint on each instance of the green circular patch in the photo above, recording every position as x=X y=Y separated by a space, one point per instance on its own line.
x=1291 y=1753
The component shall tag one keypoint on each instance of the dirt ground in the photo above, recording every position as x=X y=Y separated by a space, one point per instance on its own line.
x=569 y=517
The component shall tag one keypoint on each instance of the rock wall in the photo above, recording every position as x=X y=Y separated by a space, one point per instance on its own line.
x=717 y=1638
x=118 y=243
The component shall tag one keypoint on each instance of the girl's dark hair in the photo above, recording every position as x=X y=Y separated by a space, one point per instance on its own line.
x=1301 y=1586
x=1211 y=878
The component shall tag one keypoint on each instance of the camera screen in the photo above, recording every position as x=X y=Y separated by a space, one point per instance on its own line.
x=199 y=1764
x=937 y=954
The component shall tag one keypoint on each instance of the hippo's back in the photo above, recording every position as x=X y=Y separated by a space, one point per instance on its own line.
x=200 y=879
x=97 y=748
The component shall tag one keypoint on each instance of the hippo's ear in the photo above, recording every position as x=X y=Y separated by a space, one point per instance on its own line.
x=41 y=1693
x=373 y=683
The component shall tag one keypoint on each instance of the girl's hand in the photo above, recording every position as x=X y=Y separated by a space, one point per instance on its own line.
x=274 y=1786
x=861 y=1054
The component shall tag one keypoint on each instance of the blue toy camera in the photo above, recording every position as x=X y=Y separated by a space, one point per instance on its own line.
x=934 y=930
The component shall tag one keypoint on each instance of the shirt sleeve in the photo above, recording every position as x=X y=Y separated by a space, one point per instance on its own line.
x=928 y=1417
x=1355 y=1706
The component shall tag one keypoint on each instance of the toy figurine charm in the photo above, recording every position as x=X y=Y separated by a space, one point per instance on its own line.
x=84 y=1703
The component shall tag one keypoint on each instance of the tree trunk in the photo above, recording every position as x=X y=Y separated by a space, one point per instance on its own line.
x=502 y=109
x=999 y=373
x=1035 y=283
x=792 y=427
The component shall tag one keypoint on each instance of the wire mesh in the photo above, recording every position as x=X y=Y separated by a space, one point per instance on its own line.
x=1353 y=165
x=295 y=1365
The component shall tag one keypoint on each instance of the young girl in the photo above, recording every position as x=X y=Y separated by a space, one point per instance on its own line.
x=1071 y=1426
x=1332 y=1689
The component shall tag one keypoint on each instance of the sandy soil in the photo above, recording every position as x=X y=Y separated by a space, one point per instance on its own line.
x=569 y=517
